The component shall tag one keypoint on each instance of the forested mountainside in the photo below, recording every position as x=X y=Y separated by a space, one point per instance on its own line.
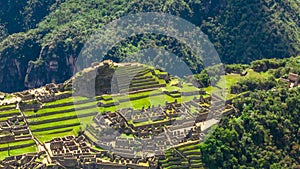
x=42 y=39
x=20 y=16
x=264 y=131
x=265 y=135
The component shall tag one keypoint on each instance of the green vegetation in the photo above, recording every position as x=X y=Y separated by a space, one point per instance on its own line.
x=19 y=151
x=241 y=31
x=17 y=143
x=66 y=100
x=268 y=123
x=180 y=157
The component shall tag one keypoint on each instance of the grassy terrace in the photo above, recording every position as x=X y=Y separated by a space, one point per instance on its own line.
x=30 y=114
x=48 y=123
x=147 y=98
x=18 y=147
x=27 y=146
x=8 y=111
x=66 y=100
x=48 y=131
x=48 y=137
x=19 y=151
x=62 y=120
x=16 y=143
x=230 y=79
x=148 y=101
x=11 y=106
x=190 y=152
x=63 y=115
x=139 y=82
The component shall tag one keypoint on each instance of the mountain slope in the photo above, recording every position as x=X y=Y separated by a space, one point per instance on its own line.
x=269 y=124
x=255 y=29
x=242 y=31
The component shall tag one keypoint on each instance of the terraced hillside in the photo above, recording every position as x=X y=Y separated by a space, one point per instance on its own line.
x=60 y=118
x=187 y=156
x=135 y=77
x=54 y=111
x=15 y=137
x=60 y=114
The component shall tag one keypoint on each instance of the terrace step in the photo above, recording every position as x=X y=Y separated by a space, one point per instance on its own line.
x=147 y=87
x=130 y=85
x=62 y=118
x=17 y=146
x=9 y=114
x=132 y=73
x=68 y=104
x=142 y=84
x=60 y=111
x=55 y=127
x=7 y=107
x=143 y=80
x=23 y=137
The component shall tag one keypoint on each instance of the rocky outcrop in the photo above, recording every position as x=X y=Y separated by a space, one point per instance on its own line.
x=85 y=82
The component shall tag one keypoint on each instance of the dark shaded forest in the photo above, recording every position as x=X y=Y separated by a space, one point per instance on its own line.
x=42 y=39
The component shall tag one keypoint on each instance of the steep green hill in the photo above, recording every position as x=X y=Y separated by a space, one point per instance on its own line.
x=242 y=31
x=263 y=133
x=254 y=29
x=19 y=16
x=269 y=124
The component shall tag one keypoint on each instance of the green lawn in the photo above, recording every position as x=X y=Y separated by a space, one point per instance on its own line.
x=189 y=88
x=253 y=74
x=140 y=103
x=229 y=80
x=127 y=136
x=83 y=121
x=46 y=110
x=12 y=111
x=67 y=114
x=31 y=149
x=148 y=101
x=16 y=143
x=66 y=100
x=47 y=137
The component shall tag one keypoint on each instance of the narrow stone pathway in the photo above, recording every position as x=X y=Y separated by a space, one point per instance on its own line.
x=40 y=146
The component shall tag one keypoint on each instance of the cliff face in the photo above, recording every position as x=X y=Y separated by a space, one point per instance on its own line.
x=19 y=51
x=87 y=82
x=53 y=66
x=45 y=50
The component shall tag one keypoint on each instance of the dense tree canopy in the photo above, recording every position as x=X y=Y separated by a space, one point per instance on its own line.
x=241 y=31
x=263 y=135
